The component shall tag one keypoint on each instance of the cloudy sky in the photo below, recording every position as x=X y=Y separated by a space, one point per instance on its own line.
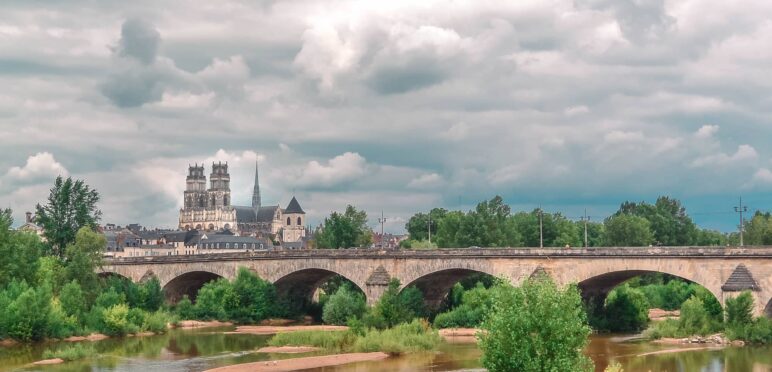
x=390 y=105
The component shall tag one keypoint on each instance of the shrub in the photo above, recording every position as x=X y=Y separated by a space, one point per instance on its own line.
x=394 y=307
x=250 y=299
x=69 y=353
x=536 y=327
x=26 y=316
x=694 y=317
x=184 y=308
x=474 y=305
x=342 y=305
x=136 y=317
x=59 y=324
x=627 y=309
x=210 y=300
x=664 y=328
x=739 y=310
x=151 y=294
x=156 y=322
x=116 y=322
x=109 y=298
x=72 y=300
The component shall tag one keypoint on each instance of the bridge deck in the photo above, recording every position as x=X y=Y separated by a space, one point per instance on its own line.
x=556 y=253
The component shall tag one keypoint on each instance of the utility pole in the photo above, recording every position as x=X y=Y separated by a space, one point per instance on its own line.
x=541 y=227
x=429 y=226
x=585 y=219
x=382 y=221
x=741 y=209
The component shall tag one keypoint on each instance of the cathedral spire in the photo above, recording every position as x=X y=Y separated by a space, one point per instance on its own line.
x=256 y=191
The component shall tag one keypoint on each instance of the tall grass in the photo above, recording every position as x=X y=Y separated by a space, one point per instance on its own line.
x=402 y=338
x=74 y=352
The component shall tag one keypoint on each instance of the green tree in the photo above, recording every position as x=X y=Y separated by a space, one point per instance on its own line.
x=151 y=294
x=419 y=225
x=344 y=230
x=758 y=230
x=626 y=310
x=71 y=206
x=625 y=230
x=694 y=318
x=82 y=258
x=448 y=229
x=668 y=221
x=536 y=327
x=72 y=300
x=254 y=298
x=345 y=303
x=739 y=310
x=19 y=252
x=557 y=230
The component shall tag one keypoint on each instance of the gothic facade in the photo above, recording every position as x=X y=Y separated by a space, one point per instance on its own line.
x=210 y=209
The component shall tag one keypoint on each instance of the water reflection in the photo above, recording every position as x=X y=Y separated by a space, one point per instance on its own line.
x=198 y=350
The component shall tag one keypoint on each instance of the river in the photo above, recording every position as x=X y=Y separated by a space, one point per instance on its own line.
x=201 y=349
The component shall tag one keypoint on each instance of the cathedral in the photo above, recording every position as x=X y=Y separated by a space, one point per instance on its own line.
x=210 y=208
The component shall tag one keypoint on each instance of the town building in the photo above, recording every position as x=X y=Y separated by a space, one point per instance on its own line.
x=210 y=209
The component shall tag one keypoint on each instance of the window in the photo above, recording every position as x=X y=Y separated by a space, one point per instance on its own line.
x=299 y=222
x=253 y=245
x=227 y=245
x=289 y=222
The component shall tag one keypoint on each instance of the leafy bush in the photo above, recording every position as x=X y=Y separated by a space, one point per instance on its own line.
x=665 y=328
x=474 y=305
x=342 y=305
x=694 y=318
x=626 y=310
x=72 y=300
x=24 y=312
x=69 y=353
x=116 y=322
x=535 y=327
x=739 y=310
x=136 y=317
x=109 y=298
x=185 y=309
x=156 y=322
x=210 y=300
x=251 y=299
x=394 y=307
x=59 y=324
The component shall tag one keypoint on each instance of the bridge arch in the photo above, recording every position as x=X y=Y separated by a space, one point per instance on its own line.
x=436 y=285
x=110 y=274
x=301 y=284
x=187 y=283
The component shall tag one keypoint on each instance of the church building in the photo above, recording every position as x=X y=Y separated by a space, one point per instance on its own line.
x=210 y=209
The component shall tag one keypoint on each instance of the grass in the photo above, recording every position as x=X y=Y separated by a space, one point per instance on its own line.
x=74 y=352
x=403 y=338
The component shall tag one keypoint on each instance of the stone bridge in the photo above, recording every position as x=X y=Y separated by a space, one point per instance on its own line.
x=724 y=271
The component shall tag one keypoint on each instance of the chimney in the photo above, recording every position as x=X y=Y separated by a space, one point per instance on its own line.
x=28 y=216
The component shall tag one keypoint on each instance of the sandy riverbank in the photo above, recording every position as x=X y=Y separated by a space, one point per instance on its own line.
x=192 y=324
x=269 y=330
x=302 y=363
x=287 y=349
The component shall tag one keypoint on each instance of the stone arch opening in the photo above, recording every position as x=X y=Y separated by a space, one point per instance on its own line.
x=187 y=284
x=436 y=286
x=601 y=285
x=299 y=287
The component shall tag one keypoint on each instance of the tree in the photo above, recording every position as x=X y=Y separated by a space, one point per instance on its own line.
x=625 y=230
x=345 y=303
x=344 y=230
x=254 y=298
x=71 y=206
x=82 y=258
x=536 y=327
x=419 y=225
x=758 y=230
x=668 y=221
x=739 y=310
x=19 y=252
x=626 y=310
x=71 y=298
x=693 y=318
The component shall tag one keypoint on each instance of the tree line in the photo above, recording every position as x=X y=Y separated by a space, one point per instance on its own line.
x=492 y=223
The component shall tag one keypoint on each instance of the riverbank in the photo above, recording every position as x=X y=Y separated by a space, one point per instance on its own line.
x=303 y=363
x=270 y=330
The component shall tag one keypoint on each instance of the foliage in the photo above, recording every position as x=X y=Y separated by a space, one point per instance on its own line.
x=759 y=331
x=333 y=341
x=625 y=310
x=82 y=258
x=71 y=206
x=252 y=299
x=345 y=303
x=474 y=305
x=156 y=322
x=71 y=299
x=24 y=311
x=694 y=318
x=419 y=225
x=626 y=230
x=184 y=308
x=50 y=272
x=403 y=338
x=394 y=307
x=667 y=218
x=416 y=335
x=758 y=230
x=116 y=321
x=210 y=300
x=70 y=353
x=536 y=327
x=739 y=310
x=344 y=230
x=614 y=367
x=19 y=252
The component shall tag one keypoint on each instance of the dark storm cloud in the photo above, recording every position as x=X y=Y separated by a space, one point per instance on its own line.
x=139 y=40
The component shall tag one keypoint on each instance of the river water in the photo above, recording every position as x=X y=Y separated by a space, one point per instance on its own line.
x=198 y=350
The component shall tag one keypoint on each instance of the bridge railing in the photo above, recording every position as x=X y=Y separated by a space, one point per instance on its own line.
x=691 y=251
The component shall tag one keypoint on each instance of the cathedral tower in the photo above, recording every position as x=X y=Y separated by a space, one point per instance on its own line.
x=219 y=186
x=195 y=187
x=256 y=190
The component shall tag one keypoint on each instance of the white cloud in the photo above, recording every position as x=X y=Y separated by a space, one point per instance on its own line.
x=744 y=153
x=39 y=166
x=426 y=181
x=706 y=131
x=340 y=169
